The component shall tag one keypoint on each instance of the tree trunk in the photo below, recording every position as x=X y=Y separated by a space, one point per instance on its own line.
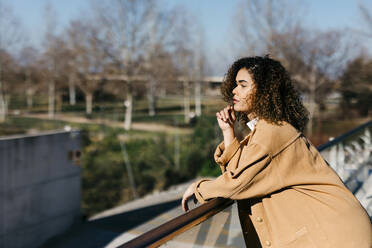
x=177 y=147
x=186 y=100
x=51 y=99
x=319 y=118
x=151 y=97
x=58 y=102
x=312 y=109
x=30 y=99
x=129 y=170
x=88 y=103
x=3 y=107
x=72 y=90
x=162 y=92
x=198 y=110
x=128 y=111
x=29 y=91
x=3 y=103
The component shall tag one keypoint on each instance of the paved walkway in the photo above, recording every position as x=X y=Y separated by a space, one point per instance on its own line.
x=144 y=126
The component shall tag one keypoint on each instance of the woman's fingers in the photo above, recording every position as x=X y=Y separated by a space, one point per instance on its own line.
x=230 y=113
x=221 y=115
x=189 y=193
x=185 y=199
x=226 y=113
x=233 y=116
x=184 y=205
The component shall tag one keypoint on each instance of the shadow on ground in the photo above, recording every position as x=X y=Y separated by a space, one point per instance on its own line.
x=100 y=232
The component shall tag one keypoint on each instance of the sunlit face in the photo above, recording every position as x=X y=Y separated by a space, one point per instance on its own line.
x=243 y=92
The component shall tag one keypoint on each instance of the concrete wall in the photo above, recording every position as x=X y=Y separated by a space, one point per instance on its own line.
x=39 y=187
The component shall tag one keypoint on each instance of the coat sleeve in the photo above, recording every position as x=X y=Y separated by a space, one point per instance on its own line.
x=251 y=177
x=223 y=156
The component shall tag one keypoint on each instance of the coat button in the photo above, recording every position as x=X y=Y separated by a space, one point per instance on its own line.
x=268 y=243
x=259 y=219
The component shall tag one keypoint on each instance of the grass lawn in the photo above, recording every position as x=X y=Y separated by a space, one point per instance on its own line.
x=169 y=112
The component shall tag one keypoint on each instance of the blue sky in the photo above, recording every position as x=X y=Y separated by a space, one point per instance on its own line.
x=215 y=15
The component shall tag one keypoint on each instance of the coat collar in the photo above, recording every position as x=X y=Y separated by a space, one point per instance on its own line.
x=275 y=137
x=252 y=123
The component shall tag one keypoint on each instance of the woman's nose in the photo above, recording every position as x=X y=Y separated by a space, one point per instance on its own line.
x=234 y=90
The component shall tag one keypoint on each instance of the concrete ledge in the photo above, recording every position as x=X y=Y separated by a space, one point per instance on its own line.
x=39 y=187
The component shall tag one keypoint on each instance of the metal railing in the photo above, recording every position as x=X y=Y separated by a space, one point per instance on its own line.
x=184 y=222
x=172 y=228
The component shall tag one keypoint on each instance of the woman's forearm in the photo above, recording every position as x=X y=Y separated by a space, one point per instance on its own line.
x=228 y=136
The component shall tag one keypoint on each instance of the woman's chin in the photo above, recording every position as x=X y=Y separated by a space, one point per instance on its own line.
x=239 y=109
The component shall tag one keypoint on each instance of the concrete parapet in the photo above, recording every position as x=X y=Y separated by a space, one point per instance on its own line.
x=39 y=187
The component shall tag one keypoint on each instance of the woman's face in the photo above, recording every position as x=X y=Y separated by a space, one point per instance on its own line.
x=243 y=92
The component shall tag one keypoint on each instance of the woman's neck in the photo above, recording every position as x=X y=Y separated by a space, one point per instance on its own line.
x=251 y=116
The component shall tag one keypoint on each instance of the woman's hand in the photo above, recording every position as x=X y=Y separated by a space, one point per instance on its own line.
x=226 y=118
x=189 y=193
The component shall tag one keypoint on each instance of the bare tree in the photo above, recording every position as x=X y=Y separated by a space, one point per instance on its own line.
x=29 y=60
x=11 y=36
x=256 y=23
x=50 y=55
x=200 y=66
x=184 y=59
x=12 y=33
x=71 y=72
x=190 y=61
x=160 y=74
x=161 y=34
x=74 y=35
x=87 y=58
x=55 y=61
x=367 y=19
x=8 y=75
x=125 y=27
x=356 y=88
x=312 y=57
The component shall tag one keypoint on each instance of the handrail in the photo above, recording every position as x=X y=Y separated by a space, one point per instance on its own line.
x=184 y=222
x=168 y=230
x=343 y=136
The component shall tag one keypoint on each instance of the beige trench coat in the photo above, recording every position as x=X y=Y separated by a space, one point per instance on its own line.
x=287 y=194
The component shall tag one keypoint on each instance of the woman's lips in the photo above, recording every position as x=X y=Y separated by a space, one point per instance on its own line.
x=235 y=101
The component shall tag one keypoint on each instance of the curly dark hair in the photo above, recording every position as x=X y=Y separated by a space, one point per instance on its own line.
x=275 y=99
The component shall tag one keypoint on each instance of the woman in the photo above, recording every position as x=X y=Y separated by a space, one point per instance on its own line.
x=287 y=195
